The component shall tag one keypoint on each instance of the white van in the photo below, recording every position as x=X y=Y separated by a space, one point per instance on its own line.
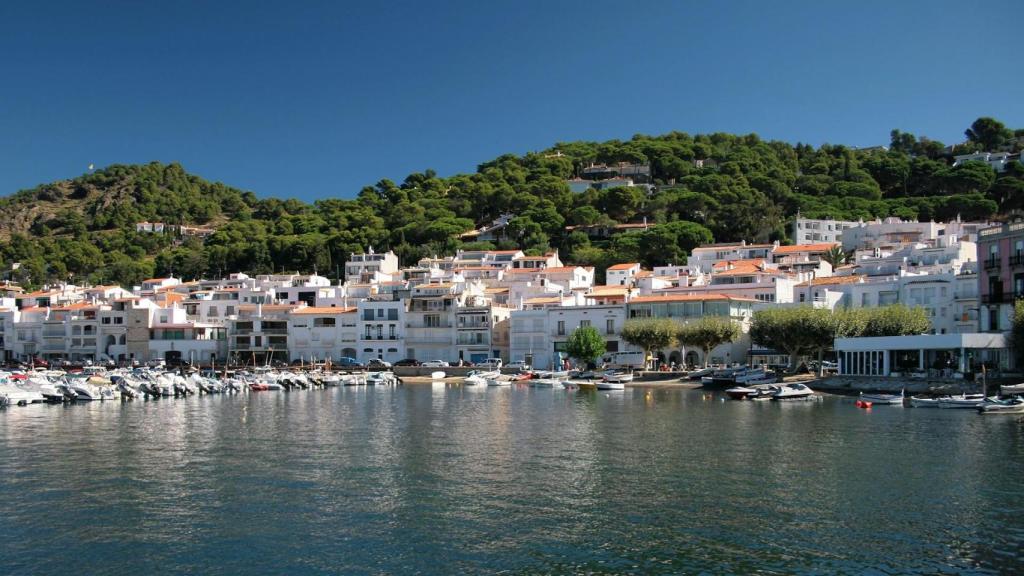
x=491 y=364
x=631 y=360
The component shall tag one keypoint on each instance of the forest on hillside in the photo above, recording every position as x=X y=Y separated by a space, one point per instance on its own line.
x=713 y=187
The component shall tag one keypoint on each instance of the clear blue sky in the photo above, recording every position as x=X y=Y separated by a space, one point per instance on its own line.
x=317 y=99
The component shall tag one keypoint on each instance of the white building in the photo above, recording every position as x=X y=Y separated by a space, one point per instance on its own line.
x=370 y=267
x=321 y=333
x=816 y=231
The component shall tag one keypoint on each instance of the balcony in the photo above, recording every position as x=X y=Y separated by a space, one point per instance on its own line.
x=992 y=264
x=424 y=325
x=1017 y=259
x=1007 y=298
x=275 y=330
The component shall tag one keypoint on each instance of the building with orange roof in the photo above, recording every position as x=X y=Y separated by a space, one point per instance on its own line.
x=319 y=333
x=703 y=258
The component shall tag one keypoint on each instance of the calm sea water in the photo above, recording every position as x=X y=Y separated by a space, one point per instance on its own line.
x=442 y=480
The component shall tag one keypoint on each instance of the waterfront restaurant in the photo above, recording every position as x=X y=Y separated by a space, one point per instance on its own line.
x=931 y=355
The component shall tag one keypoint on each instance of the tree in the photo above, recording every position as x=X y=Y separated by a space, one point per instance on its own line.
x=585 y=344
x=990 y=133
x=895 y=320
x=707 y=333
x=649 y=334
x=835 y=256
x=1017 y=331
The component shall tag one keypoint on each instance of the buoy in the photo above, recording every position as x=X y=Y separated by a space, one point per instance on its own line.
x=858 y=403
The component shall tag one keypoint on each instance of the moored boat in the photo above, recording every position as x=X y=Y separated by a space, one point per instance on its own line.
x=1011 y=389
x=617 y=377
x=794 y=391
x=1012 y=406
x=923 y=402
x=438 y=375
x=884 y=399
x=962 y=401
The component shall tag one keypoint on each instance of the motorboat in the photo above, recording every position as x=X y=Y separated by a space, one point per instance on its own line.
x=723 y=377
x=19 y=396
x=438 y=375
x=883 y=399
x=1011 y=389
x=604 y=384
x=616 y=377
x=545 y=382
x=386 y=378
x=962 y=401
x=794 y=391
x=552 y=375
x=763 y=392
x=500 y=380
x=1011 y=406
x=698 y=374
x=748 y=376
x=480 y=378
x=922 y=402
x=739 y=392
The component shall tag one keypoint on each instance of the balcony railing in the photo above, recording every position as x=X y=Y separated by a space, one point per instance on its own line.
x=1017 y=259
x=991 y=263
x=1007 y=298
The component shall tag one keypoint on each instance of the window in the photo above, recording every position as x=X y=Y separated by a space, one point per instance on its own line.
x=380 y=331
x=391 y=331
x=561 y=327
x=368 y=314
x=584 y=323
x=380 y=312
x=432 y=320
x=368 y=330
x=993 y=319
x=392 y=313
x=323 y=322
x=609 y=326
x=229 y=311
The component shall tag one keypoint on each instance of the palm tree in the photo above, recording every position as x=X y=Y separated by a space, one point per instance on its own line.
x=835 y=256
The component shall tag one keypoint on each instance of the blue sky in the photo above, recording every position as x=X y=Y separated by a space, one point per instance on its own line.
x=317 y=99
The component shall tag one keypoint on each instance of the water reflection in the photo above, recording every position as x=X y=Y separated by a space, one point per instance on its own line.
x=443 y=479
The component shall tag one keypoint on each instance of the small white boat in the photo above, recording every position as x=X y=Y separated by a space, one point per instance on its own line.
x=883 y=399
x=617 y=377
x=922 y=402
x=1012 y=406
x=543 y=382
x=438 y=375
x=610 y=385
x=500 y=380
x=750 y=376
x=962 y=401
x=794 y=391
x=739 y=392
x=480 y=378
x=1011 y=389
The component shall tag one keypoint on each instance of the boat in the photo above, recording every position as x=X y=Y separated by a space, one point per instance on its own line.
x=479 y=377
x=500 y=380
x=698 y=374
x=1012 y=406
x=610 y=385
x=884 y=399
x=962 y=401
x=794 y=391
x=544 y=382
x=616 y=377
x=922 y=402
x=385 y=378
x=1011 y=389
x=438 y=375
x=762 y=393
x=739 y=392
x=749 y=376
x=723 y=377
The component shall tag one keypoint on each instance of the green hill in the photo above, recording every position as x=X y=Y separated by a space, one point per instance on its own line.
x=719 y=186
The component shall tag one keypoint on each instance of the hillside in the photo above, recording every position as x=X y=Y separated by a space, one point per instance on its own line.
x=718 y=187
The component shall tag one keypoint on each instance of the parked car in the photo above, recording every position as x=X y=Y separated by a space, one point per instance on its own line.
x=491 y=364
x=518 y=365
x=408 y=362
x=349 y=363
x=434 y=364
x=378 y=364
